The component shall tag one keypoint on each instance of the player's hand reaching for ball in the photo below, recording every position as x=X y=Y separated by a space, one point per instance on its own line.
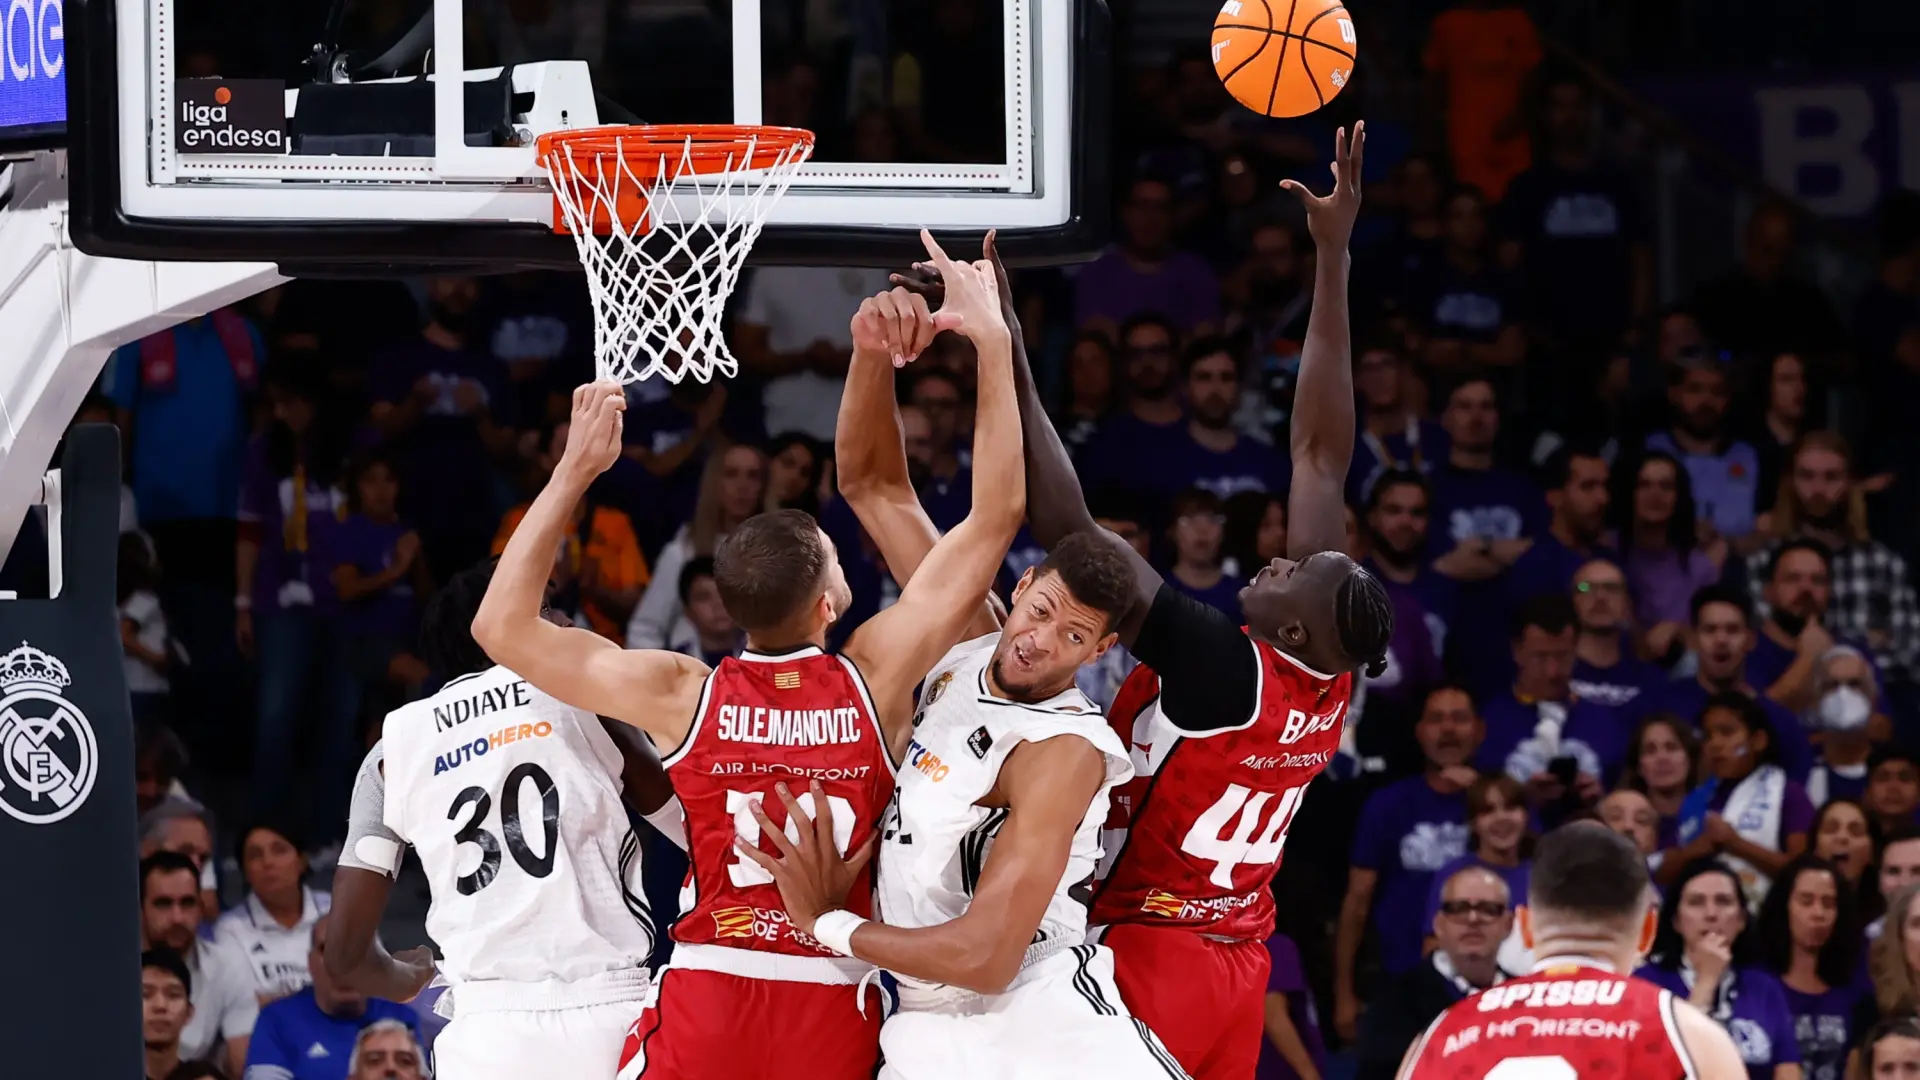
x=593 y=432
x=971 y=292
x=899 y=325
x=814 y=878
x=1330 y=217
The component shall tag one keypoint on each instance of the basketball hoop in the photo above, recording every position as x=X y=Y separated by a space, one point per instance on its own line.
x=663 y=216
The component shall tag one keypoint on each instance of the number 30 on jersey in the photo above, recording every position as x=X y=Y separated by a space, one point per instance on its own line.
x=1224 y=835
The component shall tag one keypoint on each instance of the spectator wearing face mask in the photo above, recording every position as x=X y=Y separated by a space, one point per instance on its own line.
x=1898 y=867
x=1474 y=917
x=1722 y=640
x=1841 y=835
x=1705 y=953
x=1809 y=935
x=1538 y=732
x=1893 y=788
x=1843 y=711
x=1606 y=672
x=1745 y=811
x=1408 y=831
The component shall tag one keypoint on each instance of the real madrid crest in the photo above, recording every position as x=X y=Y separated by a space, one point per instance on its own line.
x=939 y=687
x=48 y=756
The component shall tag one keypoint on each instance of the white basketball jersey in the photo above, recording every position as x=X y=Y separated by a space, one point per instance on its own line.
x=936 y=839
x=512 y=801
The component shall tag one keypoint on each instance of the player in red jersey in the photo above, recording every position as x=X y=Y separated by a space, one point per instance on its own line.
x=747 y=994
x=1229 y=724
x=1589 y=919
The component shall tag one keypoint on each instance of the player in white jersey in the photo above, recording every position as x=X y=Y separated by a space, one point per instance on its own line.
x=513 y=802
x=990 y=846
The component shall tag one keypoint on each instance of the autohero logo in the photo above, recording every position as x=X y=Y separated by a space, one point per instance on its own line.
x=230 y=116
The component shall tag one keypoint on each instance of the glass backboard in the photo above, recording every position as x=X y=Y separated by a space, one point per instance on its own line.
x=322 y=134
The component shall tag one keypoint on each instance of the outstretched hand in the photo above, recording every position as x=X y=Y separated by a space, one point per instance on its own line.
x=1330 y=217
x=899 y=324
x=593 y=432
x=813 y=877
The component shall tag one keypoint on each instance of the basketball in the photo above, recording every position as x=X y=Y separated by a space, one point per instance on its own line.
x=1284 y=57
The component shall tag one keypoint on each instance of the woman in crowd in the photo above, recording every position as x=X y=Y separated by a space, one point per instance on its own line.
x=1747 y=812
x=1842 y=835
x=1662 y=553
x=1196 y=534
x=793 y=474
x=732 y=489
x=286 y=614
x=375 y=566
x=1663 y=757
x=1783 y=419
x=1500 y=838
x=271 y=927
x=1894 y=959
x=1810 y=940
x=1089 y=390
x=1705 y=952
x=1256 y=532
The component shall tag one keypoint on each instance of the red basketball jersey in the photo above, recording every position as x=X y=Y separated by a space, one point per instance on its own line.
x=764 y=720
x=1199 y=829
x=1566 y=1021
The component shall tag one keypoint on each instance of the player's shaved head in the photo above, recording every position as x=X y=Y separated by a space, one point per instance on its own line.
x=771 y=568
x=1586 y=871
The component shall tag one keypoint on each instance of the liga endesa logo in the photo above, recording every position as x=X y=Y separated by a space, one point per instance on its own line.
x=230 y=116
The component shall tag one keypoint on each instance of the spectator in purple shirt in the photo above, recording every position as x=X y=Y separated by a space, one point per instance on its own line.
x=1746 y=812
x=1665 y=560
x=1663 y=761
x=1209 y=453
x=1091 y=390
x=1149 y=419
x=1705 y=954
x=940 y=471
x=1840 y=834
x=1578 y=503
x=1392 y=436
x=1893 y=788
x=1465 y=308
x=1722 y=638
x=1408 y=831
x=1605 y=670
x=1293 y=1049
x=1560 y=747
x=1144 y=273
x=1396 y=536
x=1725 y=470
x=286 y=613
x=1810 y=940
x=375 y=567
x=1198 y=523
x=445 y=408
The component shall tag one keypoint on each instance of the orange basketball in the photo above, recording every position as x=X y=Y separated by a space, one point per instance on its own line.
x=1284 y=57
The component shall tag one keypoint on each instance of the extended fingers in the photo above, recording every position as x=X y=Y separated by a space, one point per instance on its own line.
x=769 y=863
x=823 y=824
x=768 y=828
x=887 y=304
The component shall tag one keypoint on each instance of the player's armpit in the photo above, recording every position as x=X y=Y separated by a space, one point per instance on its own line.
x=654 y=690
x=1047 y=787
x=1706 y=1044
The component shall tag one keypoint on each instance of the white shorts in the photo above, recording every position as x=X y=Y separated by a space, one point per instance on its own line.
x=1063 y=1017
x=490 y=1038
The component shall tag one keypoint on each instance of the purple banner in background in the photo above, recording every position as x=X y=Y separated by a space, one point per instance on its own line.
x=1838 y=143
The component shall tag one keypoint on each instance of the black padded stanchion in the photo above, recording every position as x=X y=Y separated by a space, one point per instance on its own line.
x=67 y=800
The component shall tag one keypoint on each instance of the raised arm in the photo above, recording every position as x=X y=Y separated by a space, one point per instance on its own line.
x=1322 y=438
x=655 y=691
x=1046 y=787
x=869 y=451
x=1056 y=506
x=896 y=647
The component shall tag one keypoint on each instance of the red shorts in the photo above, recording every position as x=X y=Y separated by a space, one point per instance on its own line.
x=704 y=1024
x=1205 y=998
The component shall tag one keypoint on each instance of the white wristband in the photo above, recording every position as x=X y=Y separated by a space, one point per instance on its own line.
x=835 y=930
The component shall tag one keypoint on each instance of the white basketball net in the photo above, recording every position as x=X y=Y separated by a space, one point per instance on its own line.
x=660 y=282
